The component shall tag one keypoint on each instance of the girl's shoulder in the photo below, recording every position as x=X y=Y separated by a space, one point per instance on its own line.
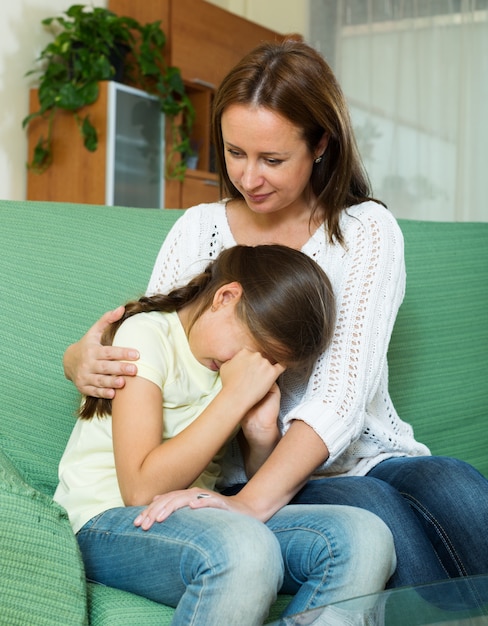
x=148 y=324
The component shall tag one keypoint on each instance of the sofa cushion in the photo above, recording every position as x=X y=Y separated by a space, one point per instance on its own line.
x=112 y=607
x=42 y=579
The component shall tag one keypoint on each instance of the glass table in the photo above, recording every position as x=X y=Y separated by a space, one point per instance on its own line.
x=453 y=602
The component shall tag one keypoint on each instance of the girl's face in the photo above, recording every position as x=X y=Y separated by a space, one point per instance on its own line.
x=218 y=334
x=267 y=158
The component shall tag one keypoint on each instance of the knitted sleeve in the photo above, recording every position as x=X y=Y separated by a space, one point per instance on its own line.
x=368 y=276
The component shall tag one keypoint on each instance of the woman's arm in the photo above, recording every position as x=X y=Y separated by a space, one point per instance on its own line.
x=297 y=455
x=145 y=466
x=369 y=281
x=288 y=468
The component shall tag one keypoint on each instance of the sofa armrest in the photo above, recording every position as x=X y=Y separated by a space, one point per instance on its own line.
x=42 y=577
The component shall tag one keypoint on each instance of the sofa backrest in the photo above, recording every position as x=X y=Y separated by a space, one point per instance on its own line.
x=63 y=265
x=438 y=354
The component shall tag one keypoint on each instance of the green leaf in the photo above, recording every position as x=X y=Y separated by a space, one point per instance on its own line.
x=42 y=156
x=90 y=135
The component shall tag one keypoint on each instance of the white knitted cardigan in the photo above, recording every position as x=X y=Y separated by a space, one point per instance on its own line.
x=346 y=400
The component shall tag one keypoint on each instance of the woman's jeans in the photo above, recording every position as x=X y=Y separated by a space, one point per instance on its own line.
x=219 y=567
x=436 y=508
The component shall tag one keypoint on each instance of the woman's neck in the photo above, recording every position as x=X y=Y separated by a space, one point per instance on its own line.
x=292 y=228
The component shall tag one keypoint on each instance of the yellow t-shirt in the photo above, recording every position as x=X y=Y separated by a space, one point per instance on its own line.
x=87 y=476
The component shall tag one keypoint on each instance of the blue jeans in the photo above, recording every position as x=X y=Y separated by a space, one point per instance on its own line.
x=436 y=508
x=218 y=567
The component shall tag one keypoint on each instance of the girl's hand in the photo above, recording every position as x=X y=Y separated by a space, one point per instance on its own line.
x=248 y=377
x=195 y=498
x=259 y=430
x=97 y=370
x=260 y=425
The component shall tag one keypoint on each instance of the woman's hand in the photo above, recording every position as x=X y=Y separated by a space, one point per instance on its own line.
x=195 y=498
x=97 y=370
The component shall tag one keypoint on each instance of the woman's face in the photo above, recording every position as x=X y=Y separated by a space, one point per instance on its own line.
x=267 y=158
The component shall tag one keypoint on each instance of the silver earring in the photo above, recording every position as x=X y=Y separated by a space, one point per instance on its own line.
x=318 y=159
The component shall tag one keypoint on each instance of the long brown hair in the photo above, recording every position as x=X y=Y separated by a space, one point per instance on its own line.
x=292 y=79
x=287 y=304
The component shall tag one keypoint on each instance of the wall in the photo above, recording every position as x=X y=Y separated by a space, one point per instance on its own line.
x=284 y=16
x=22 y=37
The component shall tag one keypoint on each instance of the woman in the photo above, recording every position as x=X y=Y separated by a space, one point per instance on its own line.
x=292 y=175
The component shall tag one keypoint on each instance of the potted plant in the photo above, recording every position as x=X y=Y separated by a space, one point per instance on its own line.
x=94 y=44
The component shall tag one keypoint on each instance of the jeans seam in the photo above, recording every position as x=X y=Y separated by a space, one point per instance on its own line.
x=441 y=533
x=330 y=550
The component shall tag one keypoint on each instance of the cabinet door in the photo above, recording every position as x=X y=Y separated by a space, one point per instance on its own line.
x=127 y=168
x=135 y=148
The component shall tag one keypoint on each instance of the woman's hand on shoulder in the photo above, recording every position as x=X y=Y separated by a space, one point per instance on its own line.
x=98 y=370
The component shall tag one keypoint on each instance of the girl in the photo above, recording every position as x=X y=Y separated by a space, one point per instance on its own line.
x=211 y=352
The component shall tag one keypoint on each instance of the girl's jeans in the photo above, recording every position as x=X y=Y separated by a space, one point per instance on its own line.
x=219 y=567
x=436 y=508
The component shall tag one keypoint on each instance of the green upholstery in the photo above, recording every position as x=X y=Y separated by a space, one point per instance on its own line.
x=438 y=355
x=42 y=581
x=63 y=265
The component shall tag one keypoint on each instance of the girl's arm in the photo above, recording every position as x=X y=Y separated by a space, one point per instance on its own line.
x=259 y=432
x=145 y=466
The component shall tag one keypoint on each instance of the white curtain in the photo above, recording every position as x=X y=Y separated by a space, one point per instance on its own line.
x=415 y=73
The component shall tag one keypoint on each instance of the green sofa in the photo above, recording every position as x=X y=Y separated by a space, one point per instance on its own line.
x=63 y=265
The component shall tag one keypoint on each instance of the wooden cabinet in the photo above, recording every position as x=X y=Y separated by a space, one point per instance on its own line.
x=199 y=187
x=204 y=42
x=75 y=175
